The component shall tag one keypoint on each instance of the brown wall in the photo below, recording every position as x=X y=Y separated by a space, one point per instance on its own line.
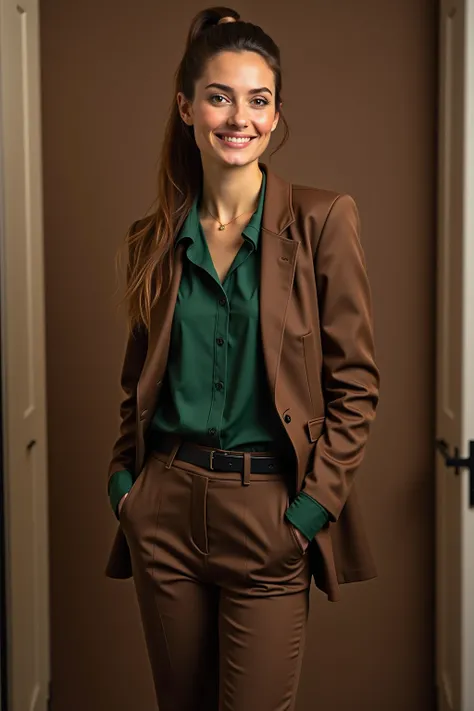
x=360 y=90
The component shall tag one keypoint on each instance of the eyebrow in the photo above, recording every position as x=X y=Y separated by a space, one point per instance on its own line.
x=229 y=90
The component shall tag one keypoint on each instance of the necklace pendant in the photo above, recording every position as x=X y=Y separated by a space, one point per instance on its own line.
x=221 y=227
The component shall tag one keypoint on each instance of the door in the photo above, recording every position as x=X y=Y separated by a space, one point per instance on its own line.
x=23 y=360
x=455 y=360
x=362 y=113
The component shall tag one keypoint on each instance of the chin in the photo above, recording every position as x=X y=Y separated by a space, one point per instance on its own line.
x=238 y=159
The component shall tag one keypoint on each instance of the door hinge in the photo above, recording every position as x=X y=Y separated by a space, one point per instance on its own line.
x=459 y=463
x=49 y=702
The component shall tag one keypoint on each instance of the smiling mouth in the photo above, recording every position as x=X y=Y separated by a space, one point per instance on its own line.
x=235 y=140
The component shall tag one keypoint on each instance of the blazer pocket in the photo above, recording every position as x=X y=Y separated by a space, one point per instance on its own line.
x=315 y=428
x=312 y=372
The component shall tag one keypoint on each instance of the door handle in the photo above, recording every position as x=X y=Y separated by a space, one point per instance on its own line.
x=458 y=463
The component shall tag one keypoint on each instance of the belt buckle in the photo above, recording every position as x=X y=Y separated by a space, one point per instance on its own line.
x=211 y=460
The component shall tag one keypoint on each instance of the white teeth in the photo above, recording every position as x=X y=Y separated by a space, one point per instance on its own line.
x=234 y=139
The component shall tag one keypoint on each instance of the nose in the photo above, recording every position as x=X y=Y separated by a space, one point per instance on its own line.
x=239 y=117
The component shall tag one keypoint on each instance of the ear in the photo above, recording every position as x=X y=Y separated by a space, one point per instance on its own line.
x=185 y=109
x=275 y=121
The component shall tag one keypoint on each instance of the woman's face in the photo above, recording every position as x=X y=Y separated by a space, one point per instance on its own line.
x=233 y=112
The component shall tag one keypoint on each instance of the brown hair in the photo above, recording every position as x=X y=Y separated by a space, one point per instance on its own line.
x=150 y=241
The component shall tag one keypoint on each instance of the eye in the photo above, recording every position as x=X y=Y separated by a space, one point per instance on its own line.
x=217 y=99
x=260 y=101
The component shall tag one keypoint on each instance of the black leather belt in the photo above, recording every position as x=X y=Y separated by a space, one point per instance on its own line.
x=217 y=460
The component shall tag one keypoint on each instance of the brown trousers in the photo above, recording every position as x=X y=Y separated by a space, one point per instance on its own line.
x=222 y=585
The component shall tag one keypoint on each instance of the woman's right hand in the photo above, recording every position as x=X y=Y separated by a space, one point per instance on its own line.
x=121 y=504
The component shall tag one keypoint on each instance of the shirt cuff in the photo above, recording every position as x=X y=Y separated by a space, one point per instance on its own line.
x=307 y=515
x=120 y=484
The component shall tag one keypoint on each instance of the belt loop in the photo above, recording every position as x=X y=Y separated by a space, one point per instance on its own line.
x=246 y=469
x=173 y=453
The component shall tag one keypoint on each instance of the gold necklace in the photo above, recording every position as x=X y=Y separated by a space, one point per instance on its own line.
x=223 y=225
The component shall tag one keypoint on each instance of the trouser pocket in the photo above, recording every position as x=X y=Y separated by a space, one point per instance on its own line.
x=293 y=535
x=274 y=553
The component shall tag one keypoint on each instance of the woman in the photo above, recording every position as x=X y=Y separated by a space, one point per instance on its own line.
x=250 y=385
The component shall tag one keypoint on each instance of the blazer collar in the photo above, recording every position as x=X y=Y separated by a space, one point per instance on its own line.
x=278 y=213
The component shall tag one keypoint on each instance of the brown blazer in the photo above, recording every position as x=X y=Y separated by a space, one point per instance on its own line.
x=317 y=336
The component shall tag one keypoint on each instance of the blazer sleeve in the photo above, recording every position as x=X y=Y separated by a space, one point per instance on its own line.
x=124 y=449
x=350 y=377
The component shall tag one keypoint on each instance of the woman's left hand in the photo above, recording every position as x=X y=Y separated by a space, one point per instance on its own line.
x=301 y=538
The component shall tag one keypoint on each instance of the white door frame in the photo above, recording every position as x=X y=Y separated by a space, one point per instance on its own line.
x=23 y=359
x=455 y=361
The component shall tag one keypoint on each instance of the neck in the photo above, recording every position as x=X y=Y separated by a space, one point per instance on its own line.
x=229 y=192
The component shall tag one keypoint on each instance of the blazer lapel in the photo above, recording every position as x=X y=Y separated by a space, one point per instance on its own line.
x=149 y=384
x=277 y=271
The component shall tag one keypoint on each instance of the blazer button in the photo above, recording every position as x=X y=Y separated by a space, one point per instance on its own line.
x=287 y=419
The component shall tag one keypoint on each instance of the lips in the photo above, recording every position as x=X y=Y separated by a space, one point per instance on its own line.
x=235 y=140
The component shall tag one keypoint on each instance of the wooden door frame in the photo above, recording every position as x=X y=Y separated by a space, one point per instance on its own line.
x=4 y=688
